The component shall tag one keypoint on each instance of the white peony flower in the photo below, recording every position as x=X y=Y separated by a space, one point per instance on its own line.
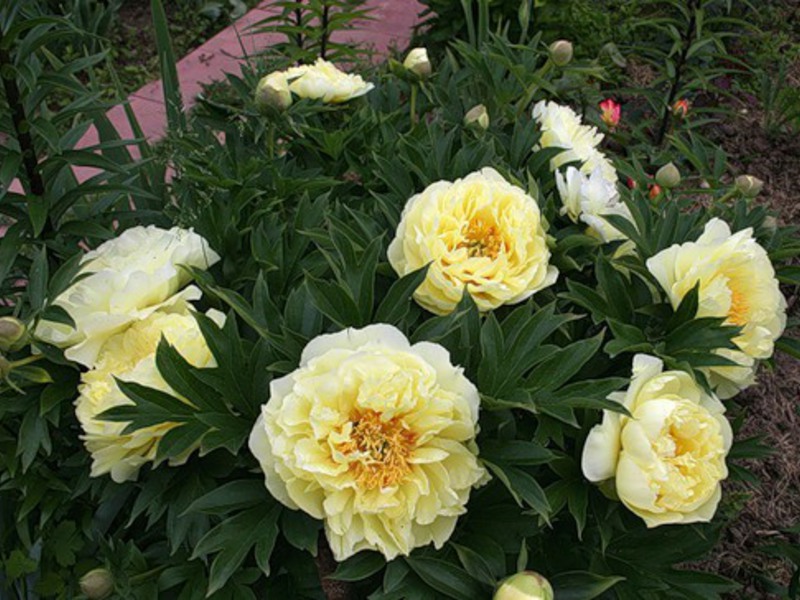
x=588 y=198
x=562 y=128
x=130 y=277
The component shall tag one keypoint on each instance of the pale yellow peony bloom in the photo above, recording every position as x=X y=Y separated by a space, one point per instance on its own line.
x=376 y=437
x=563 y=128
x=669 y=459
x=320 y=81
x=131 y=277
x=737 y=281
x=130 y=356
x=480 y=233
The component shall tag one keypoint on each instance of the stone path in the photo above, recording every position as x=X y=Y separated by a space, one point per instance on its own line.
x=390 y=25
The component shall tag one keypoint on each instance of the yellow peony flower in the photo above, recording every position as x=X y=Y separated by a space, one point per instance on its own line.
x=737 y=281
x=480 y=233
x=669 y=459
x=376 y=437
x=320 y=81
x=131 y=277
x=562 y=128
x=130 y=356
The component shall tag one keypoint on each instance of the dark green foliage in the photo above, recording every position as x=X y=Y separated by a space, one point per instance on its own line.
x=302 y=206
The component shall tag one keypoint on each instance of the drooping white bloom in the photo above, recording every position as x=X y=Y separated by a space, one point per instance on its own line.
x=588 y=197
x=562 y=128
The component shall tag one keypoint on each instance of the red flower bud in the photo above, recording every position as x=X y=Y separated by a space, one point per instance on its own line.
x=681 y=108
x=610 y=113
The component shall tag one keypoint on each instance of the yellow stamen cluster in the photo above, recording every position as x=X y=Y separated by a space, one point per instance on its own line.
x=737 y=313
x=482 y=238
x=380 y=449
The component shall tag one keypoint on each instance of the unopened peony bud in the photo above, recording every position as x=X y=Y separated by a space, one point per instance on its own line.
x=273 y=92
x=655 y=191
x=631 y=183
x=610 y=113
x=561 y=53
x=749 y=186
x=12 y=333
x=97 y=584
x=681 y=108
x=526 y=585
x=668 y=176
x=418 y=63
x=477 y=116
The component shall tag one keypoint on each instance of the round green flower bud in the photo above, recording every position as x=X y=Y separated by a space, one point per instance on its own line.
x=525 y=585
x=273 y=92
x=668 y=176
x=418 y=62
x=561 y=53
x=97 y=584
x=12 y=333
x=477 y=116
x=749 y=186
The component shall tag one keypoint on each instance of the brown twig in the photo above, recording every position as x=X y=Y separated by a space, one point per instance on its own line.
x=688 y=40
x=326 y=565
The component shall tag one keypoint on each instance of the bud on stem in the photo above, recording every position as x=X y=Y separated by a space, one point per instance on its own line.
x=749 y=186
x=97 y=584
x=12 y=334
x=561 y=53
x=525 y=585
x=668 y=176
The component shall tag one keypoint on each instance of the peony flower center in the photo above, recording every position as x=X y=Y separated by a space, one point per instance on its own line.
x=482 y=237
x=379 y=449
x=690 y=448
x=737 y=313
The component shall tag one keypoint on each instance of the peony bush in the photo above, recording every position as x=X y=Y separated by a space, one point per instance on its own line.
x=389 y=332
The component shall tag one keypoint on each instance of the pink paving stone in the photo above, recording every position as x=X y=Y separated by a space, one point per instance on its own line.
x=221 y=54
x=390 y=26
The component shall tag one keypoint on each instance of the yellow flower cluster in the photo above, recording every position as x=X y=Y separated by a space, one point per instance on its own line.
x=127 y=296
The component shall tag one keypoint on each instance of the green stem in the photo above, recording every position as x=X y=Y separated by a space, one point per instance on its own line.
x=271 y=141
x=531 y=91
x=146 y=574
x=26 y=361
x=414 y=91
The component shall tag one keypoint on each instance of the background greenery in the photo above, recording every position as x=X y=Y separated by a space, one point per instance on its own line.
x=300 y=205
